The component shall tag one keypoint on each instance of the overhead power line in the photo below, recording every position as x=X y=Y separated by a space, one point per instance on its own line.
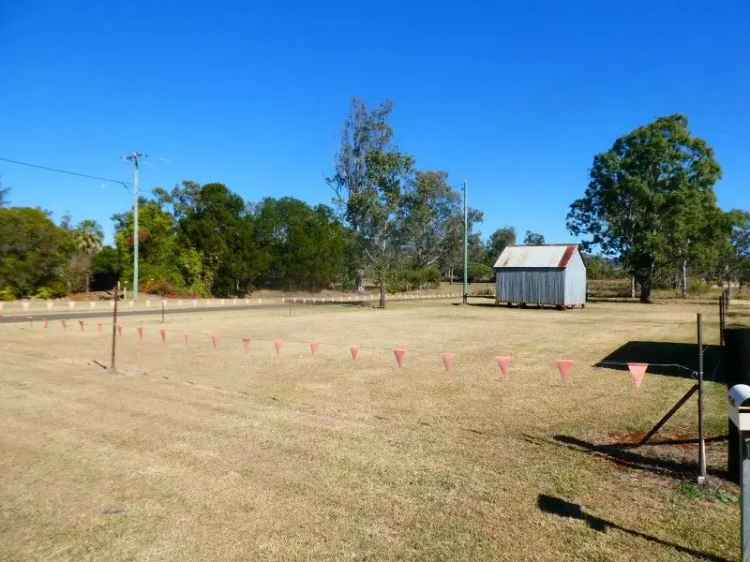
x=68 y=172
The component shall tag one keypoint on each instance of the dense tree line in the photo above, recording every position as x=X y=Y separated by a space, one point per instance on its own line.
x=40 y=258
x=206 y=240
x=649 y=213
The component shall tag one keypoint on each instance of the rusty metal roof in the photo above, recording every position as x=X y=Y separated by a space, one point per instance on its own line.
x=547 y=255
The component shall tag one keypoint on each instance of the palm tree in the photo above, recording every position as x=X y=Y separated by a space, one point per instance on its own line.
x=88 y=237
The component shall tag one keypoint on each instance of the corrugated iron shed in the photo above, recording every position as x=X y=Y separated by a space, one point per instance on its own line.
x=552 y=274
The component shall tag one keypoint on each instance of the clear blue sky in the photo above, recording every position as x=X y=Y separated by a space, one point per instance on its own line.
x=515 y=97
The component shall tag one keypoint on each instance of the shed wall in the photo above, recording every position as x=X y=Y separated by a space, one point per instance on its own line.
x=575 y=281
x=531 y=286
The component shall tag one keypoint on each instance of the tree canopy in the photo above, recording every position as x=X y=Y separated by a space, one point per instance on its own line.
x=653 y=185
x=206 y=240
x=426 y=211
x=533 y=238
x=498 y=241
x=369 y=184
x=33 y=253
x=303 y=246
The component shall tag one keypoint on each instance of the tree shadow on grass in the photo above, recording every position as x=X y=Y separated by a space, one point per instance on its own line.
x=665 y=358
x=563 y=508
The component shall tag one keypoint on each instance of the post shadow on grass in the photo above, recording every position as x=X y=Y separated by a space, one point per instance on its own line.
x=666 y=358
x=623 y=455
x=562 y=508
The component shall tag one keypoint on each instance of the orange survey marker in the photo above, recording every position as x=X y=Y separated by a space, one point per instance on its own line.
x=447 y=359
x=565 y=366
x=637 y=372
x=400 y=355
x=504 y=361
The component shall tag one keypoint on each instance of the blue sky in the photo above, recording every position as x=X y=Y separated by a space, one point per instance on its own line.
x=514 y=97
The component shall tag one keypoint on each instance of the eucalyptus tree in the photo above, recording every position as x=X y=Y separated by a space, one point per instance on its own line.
x=452 y=247
x=533 y=238
x=497 y=242
x=639 y=192
x=733 y=262
x=427 y=207
x=369 y=183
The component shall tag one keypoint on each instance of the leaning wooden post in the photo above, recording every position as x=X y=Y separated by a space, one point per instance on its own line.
x=701 y=436
x=668 y=415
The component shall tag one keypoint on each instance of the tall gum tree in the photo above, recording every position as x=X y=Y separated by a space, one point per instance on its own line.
x=368 y=185
x=498 y=241
x=653 y=180
x=427 y=208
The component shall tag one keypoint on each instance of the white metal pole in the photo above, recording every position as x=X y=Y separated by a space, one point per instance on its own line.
x=744 y=499
x=701 y=434
x=466 y=246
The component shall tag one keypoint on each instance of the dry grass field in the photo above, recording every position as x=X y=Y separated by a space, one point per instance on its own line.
x=196 y=453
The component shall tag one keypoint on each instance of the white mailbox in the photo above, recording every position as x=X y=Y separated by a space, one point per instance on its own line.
x=739 y=406
x=739 y=430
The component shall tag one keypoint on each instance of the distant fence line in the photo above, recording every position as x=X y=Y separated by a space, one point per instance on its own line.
x=150 y=304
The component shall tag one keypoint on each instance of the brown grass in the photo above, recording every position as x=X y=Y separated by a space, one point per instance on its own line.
x=200 y=454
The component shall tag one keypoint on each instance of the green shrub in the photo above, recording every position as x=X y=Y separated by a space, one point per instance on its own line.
x=402 y=280
x=480 y=272
x=698 y=287
x=396 y=282
x=159 y=287
x=7 y=294
x=44 y=293
x=54 y=289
